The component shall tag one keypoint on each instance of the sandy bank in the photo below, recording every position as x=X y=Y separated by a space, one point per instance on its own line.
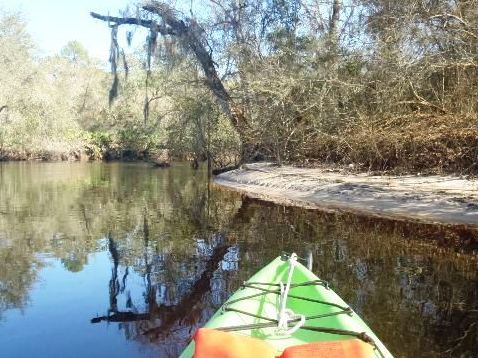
x=441 y=199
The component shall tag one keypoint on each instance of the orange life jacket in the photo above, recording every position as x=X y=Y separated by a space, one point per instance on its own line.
x=210 y=343
x=355 y=348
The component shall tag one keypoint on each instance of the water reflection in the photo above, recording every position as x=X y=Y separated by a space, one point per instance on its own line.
x=153 y=253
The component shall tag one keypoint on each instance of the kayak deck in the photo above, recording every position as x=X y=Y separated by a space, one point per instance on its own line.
x=253 y=309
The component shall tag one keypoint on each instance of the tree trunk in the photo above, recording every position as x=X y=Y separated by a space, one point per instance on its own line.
x=334 y=19
x=334 y=36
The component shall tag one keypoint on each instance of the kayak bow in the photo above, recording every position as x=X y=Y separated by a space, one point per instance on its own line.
x=286 y=305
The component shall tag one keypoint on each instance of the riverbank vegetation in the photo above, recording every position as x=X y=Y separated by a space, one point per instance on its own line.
x=56 y=107
x=382 y=85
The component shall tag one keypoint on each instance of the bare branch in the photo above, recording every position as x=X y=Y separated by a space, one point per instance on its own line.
x=459 y=19
x=163 y=30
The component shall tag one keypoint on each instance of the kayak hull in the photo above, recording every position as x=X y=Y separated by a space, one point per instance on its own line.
x=331 y=313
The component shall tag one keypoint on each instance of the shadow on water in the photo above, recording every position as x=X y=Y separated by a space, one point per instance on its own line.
x=155 y=253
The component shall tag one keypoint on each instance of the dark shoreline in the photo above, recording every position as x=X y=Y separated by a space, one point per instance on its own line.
x=458 y=237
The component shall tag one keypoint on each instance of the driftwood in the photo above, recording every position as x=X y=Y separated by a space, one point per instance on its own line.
x=225 y=169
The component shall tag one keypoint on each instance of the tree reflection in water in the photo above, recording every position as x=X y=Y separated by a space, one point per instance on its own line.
x=177 y=251
x=172 y=307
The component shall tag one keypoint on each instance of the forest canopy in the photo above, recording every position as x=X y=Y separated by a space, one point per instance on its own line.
x=384 y=85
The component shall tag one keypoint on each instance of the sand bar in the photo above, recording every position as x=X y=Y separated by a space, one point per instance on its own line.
x=437 y=199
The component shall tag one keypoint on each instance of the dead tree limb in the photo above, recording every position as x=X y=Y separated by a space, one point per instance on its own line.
x=190 y=34
x=163 y=30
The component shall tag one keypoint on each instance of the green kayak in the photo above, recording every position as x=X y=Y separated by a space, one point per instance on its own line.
x=286 y=305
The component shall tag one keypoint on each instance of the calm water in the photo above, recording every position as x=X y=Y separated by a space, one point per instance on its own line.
x=113 y=260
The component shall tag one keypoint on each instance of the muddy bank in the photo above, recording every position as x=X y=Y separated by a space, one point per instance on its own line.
x=44 y=155
x=160 y=158
x=432 y=199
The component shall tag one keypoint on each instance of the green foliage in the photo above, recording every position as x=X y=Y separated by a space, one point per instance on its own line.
x=99 y=143
x=75 y=52
x=309 y=81
x=41 y=96
x=73 y=264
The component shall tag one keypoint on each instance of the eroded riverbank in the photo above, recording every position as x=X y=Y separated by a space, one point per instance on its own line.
x=432 y=199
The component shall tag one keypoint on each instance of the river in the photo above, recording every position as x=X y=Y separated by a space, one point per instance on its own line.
x=124 y=260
